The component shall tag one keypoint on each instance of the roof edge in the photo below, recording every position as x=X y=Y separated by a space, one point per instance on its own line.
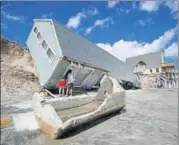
x=56 y=37
x=54 y=21
x=42 y=20
x=144 y=54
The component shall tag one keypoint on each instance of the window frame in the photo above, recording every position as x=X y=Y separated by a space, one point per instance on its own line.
x=39 y=38
x=51 y=60
x=40 y=41
x=36 y=32
x=157 y=70
x=43 y=46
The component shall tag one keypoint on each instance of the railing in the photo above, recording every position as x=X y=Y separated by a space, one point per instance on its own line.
x=165 y=80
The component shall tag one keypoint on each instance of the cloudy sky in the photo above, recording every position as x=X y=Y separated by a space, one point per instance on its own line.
x=124 y=29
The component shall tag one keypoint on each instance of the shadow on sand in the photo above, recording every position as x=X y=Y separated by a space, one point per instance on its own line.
x=85 y=126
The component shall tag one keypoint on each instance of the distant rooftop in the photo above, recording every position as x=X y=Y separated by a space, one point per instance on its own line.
x=152 y=60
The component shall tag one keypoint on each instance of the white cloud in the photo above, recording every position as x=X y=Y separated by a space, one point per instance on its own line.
x=150 y=6
x=128 y=10
x=13 y=17
x=124 y=10
x=123 y=49
x=4 y=10
x=103 y=21
x=172 y=50
x=88 y=30
x=111 y=4
x=93 y=12
x=75 y=21
x=173 y=6
x=146 y=21
x=142 y=22
x=49 y=15
x=100 y=23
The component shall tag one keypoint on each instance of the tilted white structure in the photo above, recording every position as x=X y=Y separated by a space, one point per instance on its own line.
x=55 y=49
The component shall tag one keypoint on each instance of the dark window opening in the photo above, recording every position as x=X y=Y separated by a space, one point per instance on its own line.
x=39 y=36
x=50 y=54
x=35 y=30
x=157 y=70
x=44 y=44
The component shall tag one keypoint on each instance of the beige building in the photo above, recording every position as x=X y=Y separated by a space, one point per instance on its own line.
x=164 y=67
x=152 y=72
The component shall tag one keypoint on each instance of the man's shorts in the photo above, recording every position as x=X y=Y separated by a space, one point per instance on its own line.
x=70 y=85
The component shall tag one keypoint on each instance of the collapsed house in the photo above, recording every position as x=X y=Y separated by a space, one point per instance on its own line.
x=151 y=71
x=55 y=49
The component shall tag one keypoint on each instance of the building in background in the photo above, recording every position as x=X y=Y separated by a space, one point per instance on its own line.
x=151 y=71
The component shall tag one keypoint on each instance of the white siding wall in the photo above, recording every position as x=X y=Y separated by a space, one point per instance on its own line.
x=43 y=64
x=48 y=33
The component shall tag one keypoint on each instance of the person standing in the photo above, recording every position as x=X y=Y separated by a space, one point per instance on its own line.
x=70 y=80
x=62 y=86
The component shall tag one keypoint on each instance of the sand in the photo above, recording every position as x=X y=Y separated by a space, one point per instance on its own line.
x=18 y=74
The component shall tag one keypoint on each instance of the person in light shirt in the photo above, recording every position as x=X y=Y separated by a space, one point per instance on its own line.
x=69 y=80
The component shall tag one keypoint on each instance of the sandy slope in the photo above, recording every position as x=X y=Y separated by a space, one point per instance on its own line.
x=18 y=75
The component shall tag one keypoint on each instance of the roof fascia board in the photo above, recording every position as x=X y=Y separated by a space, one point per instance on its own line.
x=56 y=38
x=42 y=20
x=142 y=55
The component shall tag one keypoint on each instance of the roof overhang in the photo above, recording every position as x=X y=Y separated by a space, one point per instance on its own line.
x=84 y=64
x=43 y=20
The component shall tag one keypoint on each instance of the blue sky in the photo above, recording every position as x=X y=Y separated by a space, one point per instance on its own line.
x=124 y=29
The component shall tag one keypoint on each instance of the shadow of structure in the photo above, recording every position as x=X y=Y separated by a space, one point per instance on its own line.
x=85 y=126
